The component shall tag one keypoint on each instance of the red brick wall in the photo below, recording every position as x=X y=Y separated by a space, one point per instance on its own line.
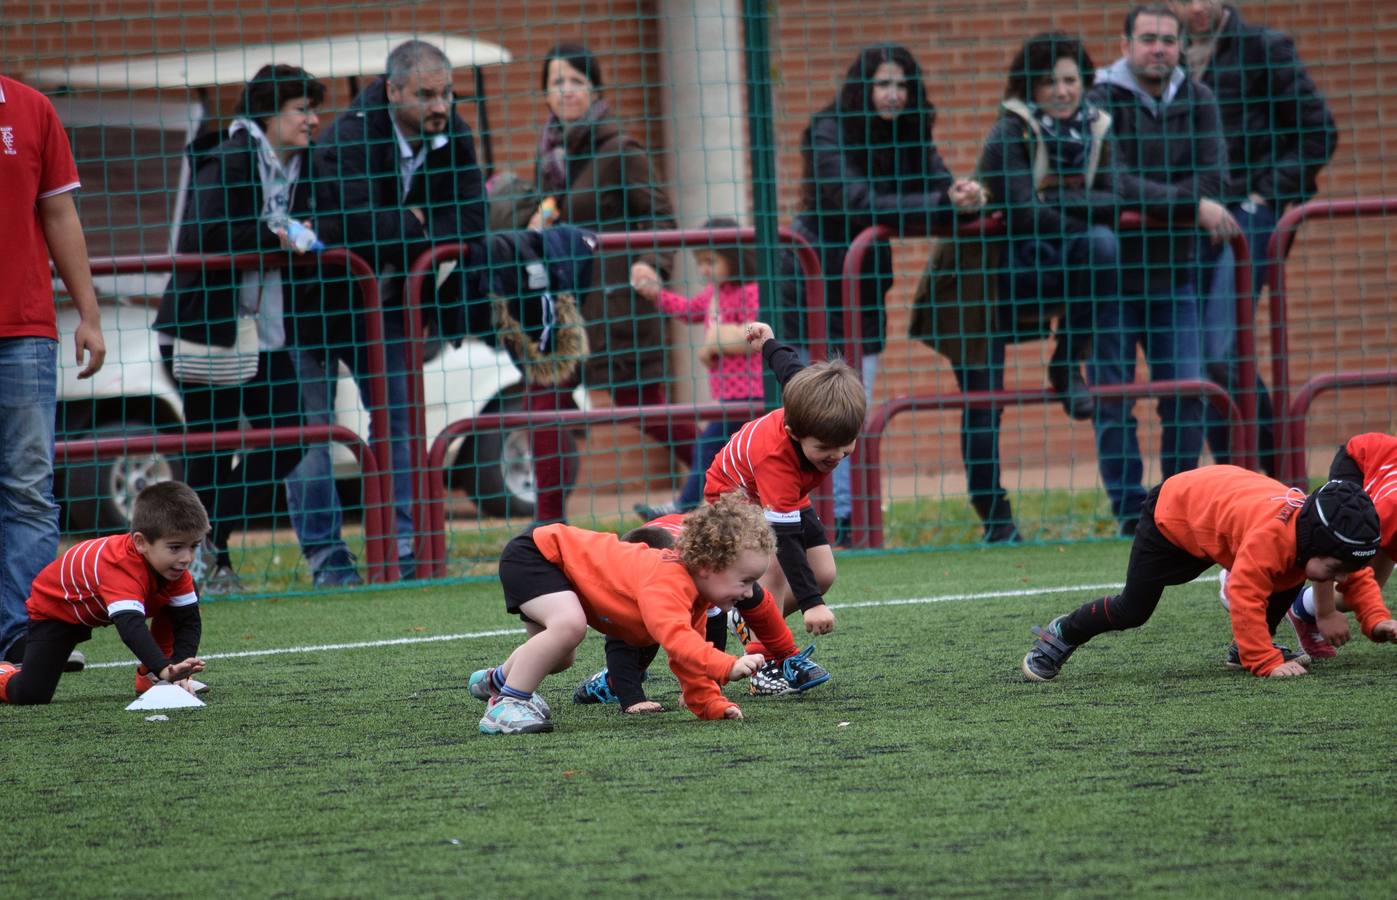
x=1340 y=273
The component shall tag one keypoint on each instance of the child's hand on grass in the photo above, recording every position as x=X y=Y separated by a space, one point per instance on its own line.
x=181 y=670
x=732 y=712
x=759 y=333
x=746 y=665
x=1334 y=627
x=1287 y=670
x=643 y=707
x=1385 y=631
x=819 y=619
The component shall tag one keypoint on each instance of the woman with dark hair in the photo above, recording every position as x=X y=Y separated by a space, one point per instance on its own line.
x=1046 y=165
x=225 y=336
x=869 y=159
x=592 y=175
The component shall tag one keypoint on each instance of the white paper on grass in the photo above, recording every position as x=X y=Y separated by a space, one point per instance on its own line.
x=166 y=696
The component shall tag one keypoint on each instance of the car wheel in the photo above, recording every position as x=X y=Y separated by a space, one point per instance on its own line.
x=496 y=470
x=98 y=494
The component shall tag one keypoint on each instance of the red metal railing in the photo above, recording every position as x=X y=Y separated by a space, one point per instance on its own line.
x=430 y=511
x=380 y=550
x=865 y=475
x=1290 y=425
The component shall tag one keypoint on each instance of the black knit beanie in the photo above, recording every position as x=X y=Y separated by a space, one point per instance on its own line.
x=1338 y=520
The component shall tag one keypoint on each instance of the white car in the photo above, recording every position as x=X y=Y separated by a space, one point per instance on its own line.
x=133 y=168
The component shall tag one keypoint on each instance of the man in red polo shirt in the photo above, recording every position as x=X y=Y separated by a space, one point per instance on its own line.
x=37 y=219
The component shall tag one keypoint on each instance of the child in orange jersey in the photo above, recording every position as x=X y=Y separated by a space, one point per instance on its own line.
x=121 y=581
x=621 y=681
x=560 y=579
x=1317 y=615
x=1270 y=537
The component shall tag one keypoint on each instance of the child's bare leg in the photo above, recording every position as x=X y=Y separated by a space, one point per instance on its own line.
x=774 y=580
x=821 y=561
x=561 y=625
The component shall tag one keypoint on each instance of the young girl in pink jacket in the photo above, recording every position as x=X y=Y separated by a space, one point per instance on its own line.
x=727 y=305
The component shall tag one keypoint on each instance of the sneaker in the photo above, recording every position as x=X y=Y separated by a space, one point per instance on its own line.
x=7 y=671
x=222 y=580
x=338 y=570
x=1045 y=658
x=1233 y=660
x=594 y=690
x=407 y=568
x=481 y=689
x=739 y=628
x=1311 y=641
x=205 y=558
x=792 y=675
x=648 y=512
x=508 y=715
x=1003 y=533
x=844 y=532
x=77 y=661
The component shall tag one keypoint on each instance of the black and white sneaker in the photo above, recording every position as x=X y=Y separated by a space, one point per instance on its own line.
x=1233 y=660
x=792 y=675
x=1045 y=658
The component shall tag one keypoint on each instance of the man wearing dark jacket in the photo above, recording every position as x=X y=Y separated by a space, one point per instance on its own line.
x=1169 y=160
x=398 y=175
x=1280 y=134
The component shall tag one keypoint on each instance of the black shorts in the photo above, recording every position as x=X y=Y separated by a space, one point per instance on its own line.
x=525 y=573
x=812 y=530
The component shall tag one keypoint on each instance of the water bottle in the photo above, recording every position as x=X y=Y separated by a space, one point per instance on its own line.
x=303 y=238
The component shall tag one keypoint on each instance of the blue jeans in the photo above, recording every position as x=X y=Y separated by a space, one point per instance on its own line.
x=28 y=514
x=1217 y=270
x=1083 y=272
x=311 y=499
x=710 y=443
x=1166 y=325
x=843 y=479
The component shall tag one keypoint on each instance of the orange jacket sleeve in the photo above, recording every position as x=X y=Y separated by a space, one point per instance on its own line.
x=1364 y=597
x=1255 y=575
x=699 y=666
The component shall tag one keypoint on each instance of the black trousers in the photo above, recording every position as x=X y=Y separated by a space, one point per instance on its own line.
x=1155 y=564
x=46 y=651
x=271 y=399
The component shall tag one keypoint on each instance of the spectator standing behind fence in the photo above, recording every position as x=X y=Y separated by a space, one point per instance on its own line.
x=869 y=159
x=37 y=219
x=1169 y=161
x=225 y=336
x=726 y=307
x=1046 y=165
x=396 y=174
x=590 y=174
x=1280 y=134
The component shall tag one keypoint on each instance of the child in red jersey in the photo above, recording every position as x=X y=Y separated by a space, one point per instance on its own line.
x=120 y=580
x=1269 y=536
x=1317 y=615
x=777 y=460
x=621 y=681
x=560 y=579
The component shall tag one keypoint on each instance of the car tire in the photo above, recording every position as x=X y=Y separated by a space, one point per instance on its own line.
x=97 y=494
x=495 y=468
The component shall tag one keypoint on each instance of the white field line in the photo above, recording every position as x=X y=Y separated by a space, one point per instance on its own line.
x=476 y=635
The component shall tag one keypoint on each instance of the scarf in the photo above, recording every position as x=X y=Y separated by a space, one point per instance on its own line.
x=553 y=147
x=1066 y=140
x=1198 y=52
x=260 y=294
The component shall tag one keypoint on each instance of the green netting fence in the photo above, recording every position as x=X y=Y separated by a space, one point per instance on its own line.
x=569 y=221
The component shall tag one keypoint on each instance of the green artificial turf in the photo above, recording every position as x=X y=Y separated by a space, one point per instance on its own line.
x=925 y=767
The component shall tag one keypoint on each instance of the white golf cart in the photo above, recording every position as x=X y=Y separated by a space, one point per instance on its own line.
x=130 y=146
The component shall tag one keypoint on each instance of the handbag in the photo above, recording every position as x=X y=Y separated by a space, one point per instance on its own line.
x=211 y=364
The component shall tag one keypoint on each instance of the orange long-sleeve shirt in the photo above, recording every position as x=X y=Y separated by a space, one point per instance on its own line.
x=1245 y=522
x=643 y=596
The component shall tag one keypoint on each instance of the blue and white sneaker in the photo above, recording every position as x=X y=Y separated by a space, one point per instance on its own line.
x=508 y=715
x=793 y=675
x=594 y=690
x=481 y=688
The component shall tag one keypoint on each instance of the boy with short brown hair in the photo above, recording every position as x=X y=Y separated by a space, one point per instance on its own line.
x=119 y=580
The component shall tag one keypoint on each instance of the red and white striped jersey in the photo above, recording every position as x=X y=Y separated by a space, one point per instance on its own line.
x=1376 y=455
x=764 y=462
x=97 y=579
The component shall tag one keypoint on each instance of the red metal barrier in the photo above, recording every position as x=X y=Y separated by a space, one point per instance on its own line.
x=883 y=415
x=429 y=512
x=1290 y=431
x=380 y=549
x=865 y=479
x=1305 y=398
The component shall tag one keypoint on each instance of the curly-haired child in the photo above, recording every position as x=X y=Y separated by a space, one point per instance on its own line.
x=560 y=579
